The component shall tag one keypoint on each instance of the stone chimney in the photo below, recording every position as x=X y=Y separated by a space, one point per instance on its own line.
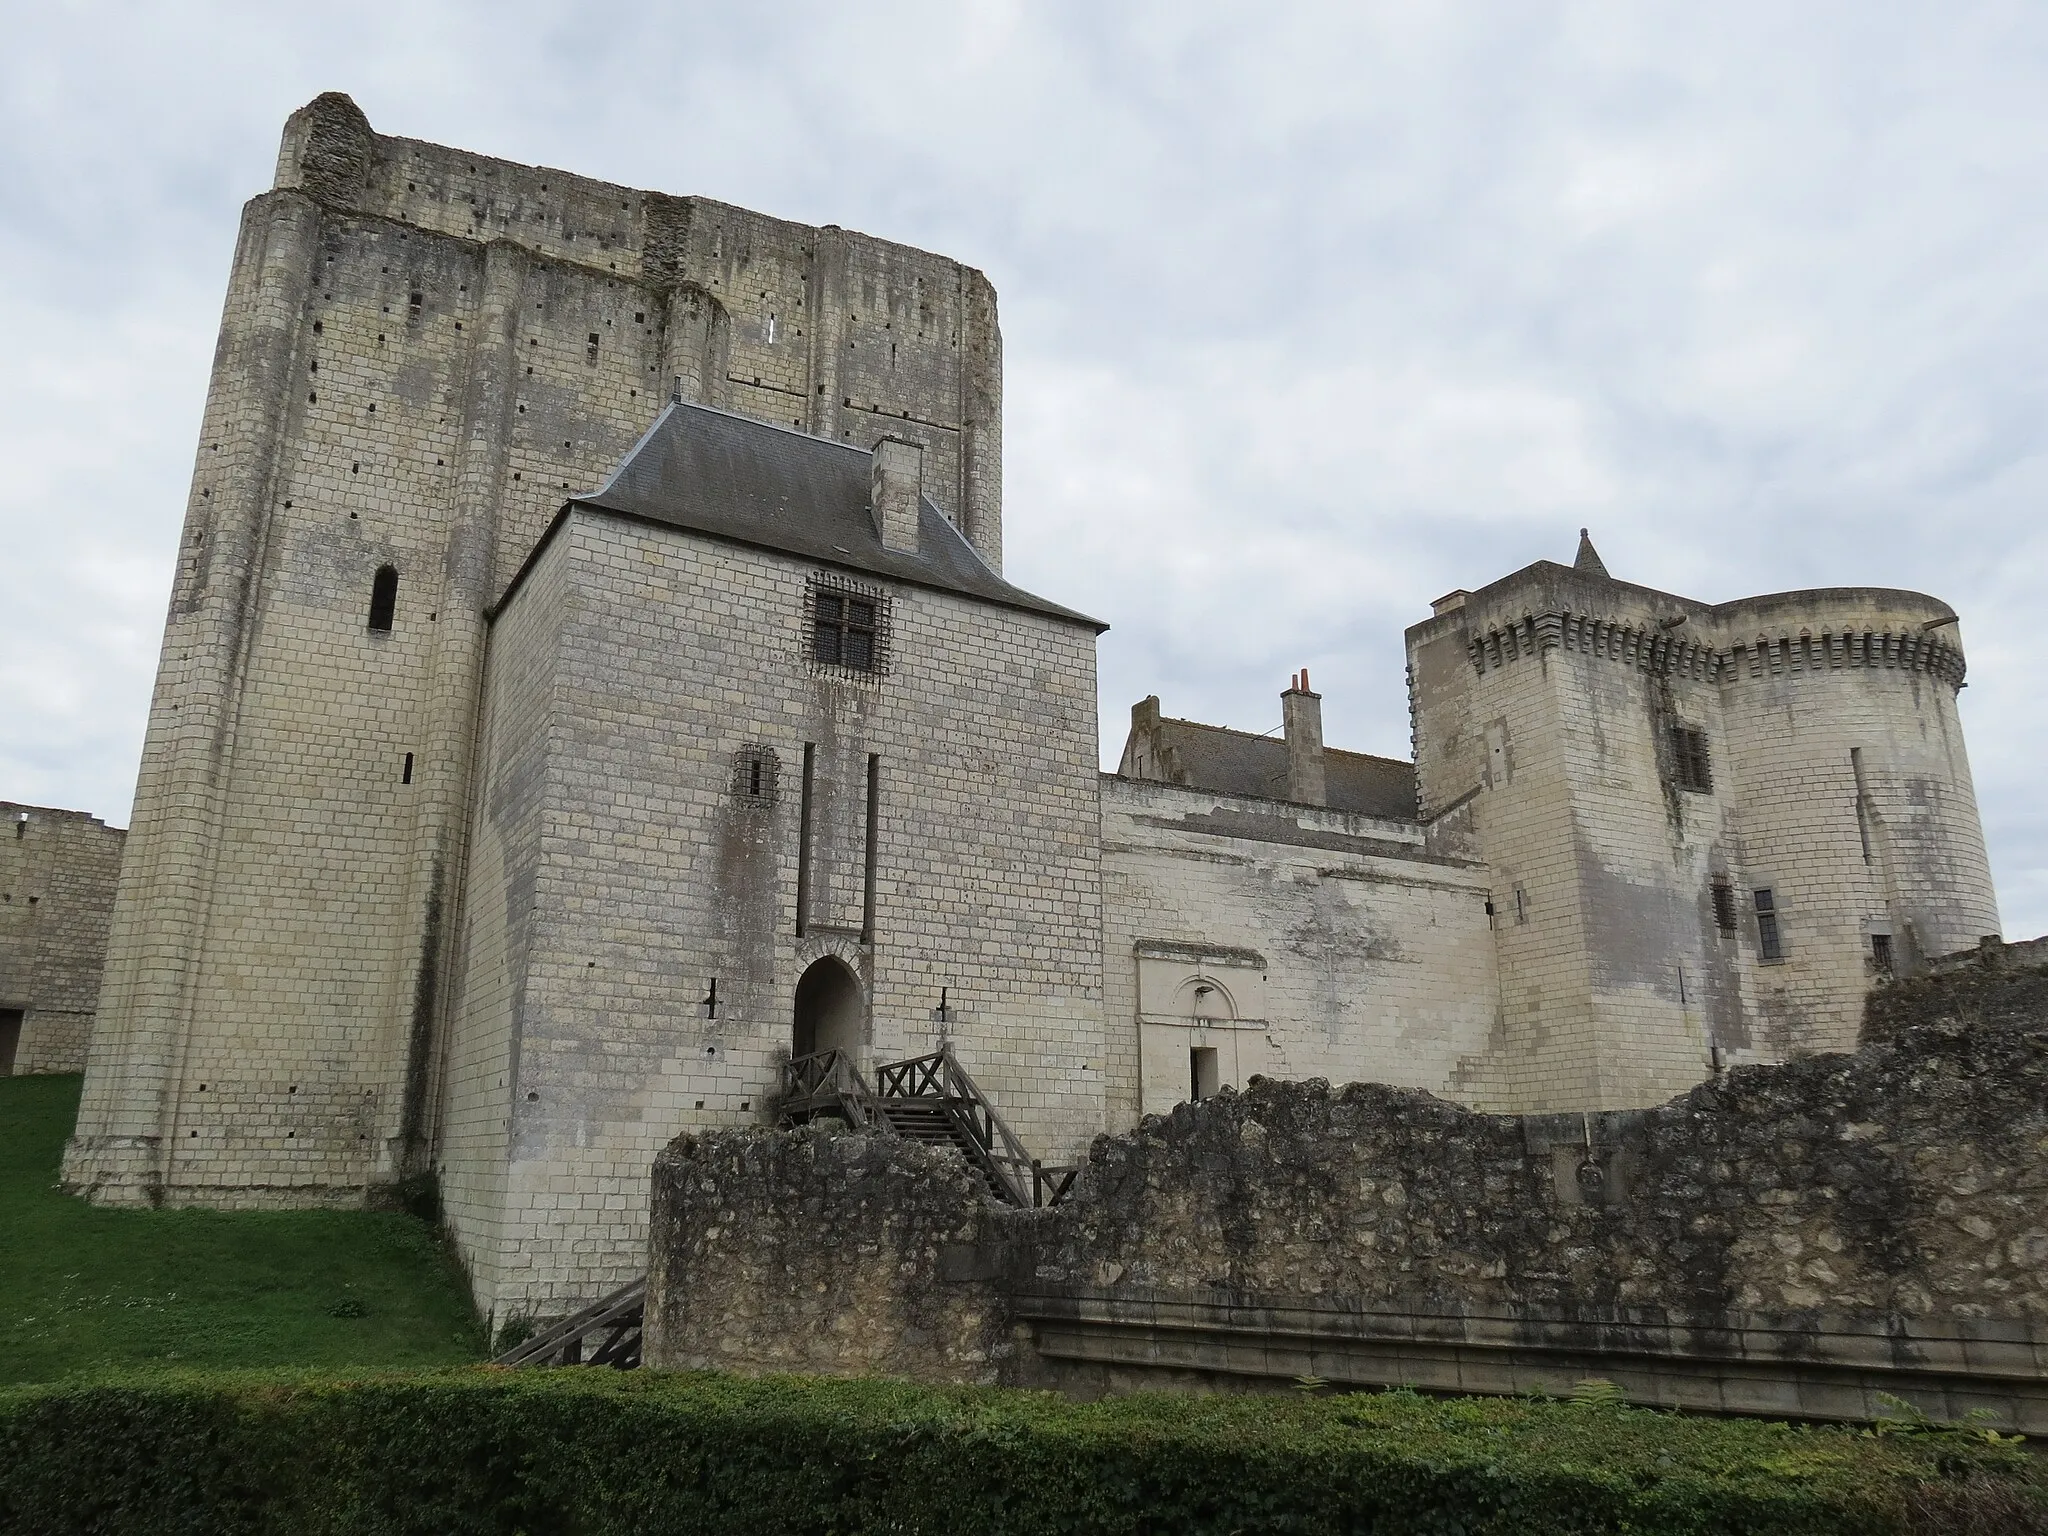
x=1302 y=715
x=895 y=485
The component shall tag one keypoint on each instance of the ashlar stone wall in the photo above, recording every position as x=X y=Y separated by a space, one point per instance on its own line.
x=58 y=870
x=626 y=856
x=1291 y=940
x=1835 y=782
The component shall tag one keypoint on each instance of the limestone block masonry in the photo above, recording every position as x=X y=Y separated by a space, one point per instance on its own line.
x=1710 y=827
x=629 y=861
x=423 y=352
x=1286 y=940
x=58 y=870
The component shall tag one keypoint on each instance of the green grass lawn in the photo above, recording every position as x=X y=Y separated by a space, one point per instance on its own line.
x=87 y=1292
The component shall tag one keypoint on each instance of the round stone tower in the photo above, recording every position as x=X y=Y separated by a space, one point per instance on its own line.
x=1862 y=851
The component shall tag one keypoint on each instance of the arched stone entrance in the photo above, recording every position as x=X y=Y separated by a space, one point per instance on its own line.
x=829 y=1008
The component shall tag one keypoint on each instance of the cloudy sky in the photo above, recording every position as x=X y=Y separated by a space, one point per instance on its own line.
x=1311 y=312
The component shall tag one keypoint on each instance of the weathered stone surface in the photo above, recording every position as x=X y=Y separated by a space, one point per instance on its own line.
x=822 y=1252
x=1899 y=1193
x=57 y=875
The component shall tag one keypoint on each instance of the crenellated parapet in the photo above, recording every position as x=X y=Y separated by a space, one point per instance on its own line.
x=1904 y=651
x=1647 y=648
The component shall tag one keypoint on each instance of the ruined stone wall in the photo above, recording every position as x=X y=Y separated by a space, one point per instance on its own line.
x=422 y=352
x=58 y=870
x=654 y=864
x=1885 y=1211
x=1330 y=944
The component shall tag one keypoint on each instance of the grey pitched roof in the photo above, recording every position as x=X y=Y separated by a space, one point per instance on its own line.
x=735 y=478
x=1238 y=763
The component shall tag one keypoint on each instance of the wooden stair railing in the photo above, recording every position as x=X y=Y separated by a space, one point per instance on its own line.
x=617 y=1318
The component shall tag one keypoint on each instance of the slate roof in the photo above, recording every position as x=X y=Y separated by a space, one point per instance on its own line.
x=716 y=473
x=1238 y=763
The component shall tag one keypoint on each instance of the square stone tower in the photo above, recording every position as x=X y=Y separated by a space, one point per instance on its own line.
x=423 y=353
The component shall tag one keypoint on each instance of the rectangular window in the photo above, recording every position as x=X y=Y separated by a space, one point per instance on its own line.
x=1690 y=766
x=1881 y=953
x=1770 y=941
x=1204 y=1075
x=843 y=629
x=1724 y=906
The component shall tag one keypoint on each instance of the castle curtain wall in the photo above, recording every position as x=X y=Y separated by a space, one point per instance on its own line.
x=663 y=863
x=58 y=870
x=1292 y=941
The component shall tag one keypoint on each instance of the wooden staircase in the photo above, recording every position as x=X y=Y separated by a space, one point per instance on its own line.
x=929 y=1099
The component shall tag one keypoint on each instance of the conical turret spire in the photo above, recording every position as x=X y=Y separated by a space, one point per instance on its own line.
x=1589 y=558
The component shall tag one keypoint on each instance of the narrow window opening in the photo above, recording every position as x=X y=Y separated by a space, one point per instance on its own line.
x=1862 y=801
x=406 y=778
x=1521 y=906
x=383 y=598
x=756 y=773
x=1881 y=953
x=803 y=839
x=1204 y=1075
x=418 y=299
x=867 y=887
x=1770 y=939
x=1724 y=906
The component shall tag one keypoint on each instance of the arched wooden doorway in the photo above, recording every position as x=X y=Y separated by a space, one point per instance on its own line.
x=829 y=1008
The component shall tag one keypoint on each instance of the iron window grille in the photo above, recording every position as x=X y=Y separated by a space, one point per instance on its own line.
x=1691 y=768
x=1724 y=906
x=848 y=627
x=756 y=775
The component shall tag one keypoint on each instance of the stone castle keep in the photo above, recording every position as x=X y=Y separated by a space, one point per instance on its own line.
x=589 y=682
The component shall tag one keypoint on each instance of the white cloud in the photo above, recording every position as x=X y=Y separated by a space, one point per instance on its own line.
x=1312 y=312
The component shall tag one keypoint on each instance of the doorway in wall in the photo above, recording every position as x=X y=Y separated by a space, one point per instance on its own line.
x=828 y=1010
x=1204 y=1075
x=10 y=1039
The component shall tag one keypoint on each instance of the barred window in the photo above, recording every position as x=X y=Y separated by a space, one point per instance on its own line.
x=1770 y=940
x=849 y=626
x=756 y=775
x=1724 y=906
x=1690 y=767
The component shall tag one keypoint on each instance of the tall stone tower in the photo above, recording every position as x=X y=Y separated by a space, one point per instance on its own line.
x=1710 y=827
x=423 y=353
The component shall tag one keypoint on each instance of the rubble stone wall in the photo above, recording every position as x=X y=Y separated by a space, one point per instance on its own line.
x=1882 y=1211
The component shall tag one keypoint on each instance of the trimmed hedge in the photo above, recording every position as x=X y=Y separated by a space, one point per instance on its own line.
x=594 y=1451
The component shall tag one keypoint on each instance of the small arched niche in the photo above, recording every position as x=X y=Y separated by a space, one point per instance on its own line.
x=829 y=1010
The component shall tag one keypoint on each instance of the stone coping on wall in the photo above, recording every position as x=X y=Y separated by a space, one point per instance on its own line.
x=1830 y=1366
